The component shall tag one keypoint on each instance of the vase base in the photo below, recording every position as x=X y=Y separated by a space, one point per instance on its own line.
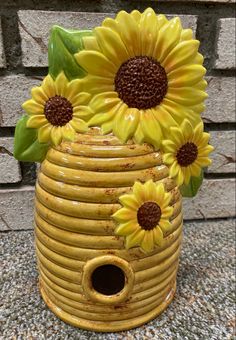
x=112 y=326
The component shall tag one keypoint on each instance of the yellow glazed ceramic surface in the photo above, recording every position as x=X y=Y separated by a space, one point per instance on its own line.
x=77 y=192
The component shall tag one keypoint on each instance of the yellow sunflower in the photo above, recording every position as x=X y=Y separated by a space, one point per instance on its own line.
x=58 y=109
x=145 y=74
x=186 y=151
x=144 y=217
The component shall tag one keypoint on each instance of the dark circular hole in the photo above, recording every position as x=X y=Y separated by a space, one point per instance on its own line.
x=108 y=279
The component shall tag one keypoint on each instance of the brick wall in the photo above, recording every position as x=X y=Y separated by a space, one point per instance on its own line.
x=24 y=34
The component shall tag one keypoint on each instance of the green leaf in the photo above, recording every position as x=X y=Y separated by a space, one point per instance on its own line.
x=192 y=188
x=63 y=44
x=26 y=145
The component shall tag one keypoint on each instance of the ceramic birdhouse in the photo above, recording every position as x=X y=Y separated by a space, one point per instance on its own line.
x=116 y=127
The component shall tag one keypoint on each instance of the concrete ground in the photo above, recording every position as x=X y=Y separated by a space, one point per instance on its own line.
x=204 y=306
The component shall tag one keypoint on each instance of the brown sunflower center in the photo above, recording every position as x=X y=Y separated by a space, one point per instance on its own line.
x=149 y=215
x=187 y=154
x=58 y=110
x=141 y=82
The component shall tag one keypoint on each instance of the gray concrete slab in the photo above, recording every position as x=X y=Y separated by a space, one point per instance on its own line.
x=202 y=309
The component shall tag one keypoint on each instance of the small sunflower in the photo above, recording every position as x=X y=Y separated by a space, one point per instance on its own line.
x=186 y=151
x=144 y=217
x=57 y=109
x=145 y=74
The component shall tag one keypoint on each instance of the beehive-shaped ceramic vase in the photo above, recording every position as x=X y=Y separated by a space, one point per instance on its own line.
x=87 y=277
x=116 y=127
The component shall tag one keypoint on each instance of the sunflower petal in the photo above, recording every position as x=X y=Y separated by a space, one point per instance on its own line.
x=204 y=139
x=198 y=108
x=83 y=112
x=180 y=177
x=151 y=128
x=104 y=101
x=178 y=112
x=161 y=21
x=61 y=84
x=124 y=214
x=158 y=236
x=80 y=99
x=44 y=133
x=101 y=118
x=78 y=125
x=148 y=32
x=90 y=43
x=147 y=243
x=168 y=38
x=174 y=169
x=186 y=75
x=195 y=170
x=56 y=135
x=150 y=188
x=95 y=63
x=165 y=225
x=118 y=121
x=39 y=95
x=201 y=85
x=128 y=30
x=139 y=192
x=107 y=127
x=160 y=191
x=129 y=201
x=127 y=228
x=74 y=87
x=186 y=95
x=203 y=161
x=48 y=86
x=186 y=34
x=36 y=121
x=168 y=158
x=139 y=136
x=168 y=196
x=177 y=136
x=111 y=45
x=164 y=118
x=136 y=15
x=187 y=174
x=168 y=146
x=134 y=239
x=198 y=131
x=181 y=54
x=127 y=124
x=187 y=130
x=32 y=107
x=202 y=152
x=68 y=133
x=112 y=24
x=166 y=212
x=198 y=59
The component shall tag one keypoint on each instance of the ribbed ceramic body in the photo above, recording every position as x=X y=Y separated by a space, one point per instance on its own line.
x=77 y=191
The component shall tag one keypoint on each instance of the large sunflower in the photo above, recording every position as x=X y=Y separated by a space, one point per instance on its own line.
x=145 y=75
x=58 y=109
x=186 y=151
x=144 y=217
